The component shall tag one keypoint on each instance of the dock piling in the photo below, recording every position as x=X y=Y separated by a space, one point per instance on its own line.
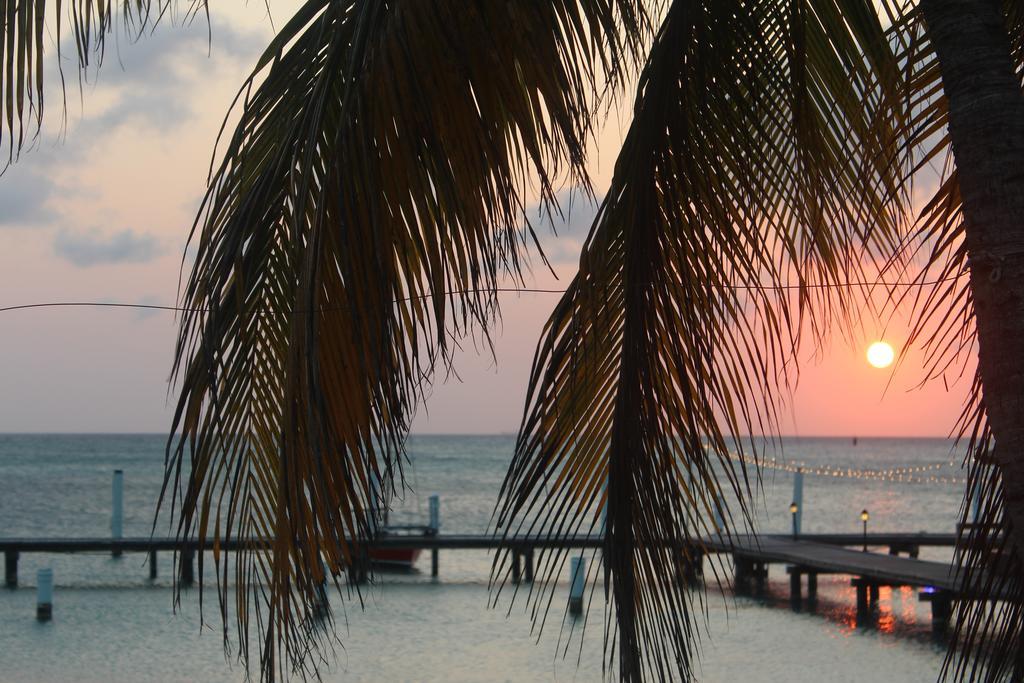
x=795 y=588
x=942 y=609
x=517 y=570
x=359 y=570
x=435 y=527
x=187 y=572
x=117 y=510
x=44 y=594
x=743 y=570
x=528 y=556
x=691 y=565
x=862 y=603
x=11 y=568
x=577 y=582
x=152 y=565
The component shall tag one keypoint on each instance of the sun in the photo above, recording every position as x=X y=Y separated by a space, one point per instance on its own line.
x=880 y=354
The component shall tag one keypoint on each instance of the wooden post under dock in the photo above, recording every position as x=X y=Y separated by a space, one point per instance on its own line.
x=522 y=565
x=692 y=565
x=187 y=571
x=867 y=600
x=796 y=600
x=749 y=571
x=795 y=597
x=942 y=609
x=152 y=565
x=11 y=568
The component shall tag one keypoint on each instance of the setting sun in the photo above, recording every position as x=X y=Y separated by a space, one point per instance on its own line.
x=880 y=354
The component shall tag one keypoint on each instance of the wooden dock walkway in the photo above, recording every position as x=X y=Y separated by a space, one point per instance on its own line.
x=902 y=542
x=806 y=556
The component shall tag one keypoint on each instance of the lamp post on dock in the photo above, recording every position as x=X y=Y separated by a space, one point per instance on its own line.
x=864 y=518
x=793 y=509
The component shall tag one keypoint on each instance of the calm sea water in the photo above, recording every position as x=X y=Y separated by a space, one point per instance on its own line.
x=112 y=624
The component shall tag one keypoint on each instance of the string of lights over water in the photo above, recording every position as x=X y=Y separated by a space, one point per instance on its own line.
x=907 y=474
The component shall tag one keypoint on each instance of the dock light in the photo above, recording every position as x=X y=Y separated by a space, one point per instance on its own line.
x=793 y=509
x=864 y=516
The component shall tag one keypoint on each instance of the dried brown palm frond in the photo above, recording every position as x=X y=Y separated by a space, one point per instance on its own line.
x=365 y=208
x=30 y=26
x=758 y=159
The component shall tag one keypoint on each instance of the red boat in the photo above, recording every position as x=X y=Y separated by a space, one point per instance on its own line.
x=399 y=558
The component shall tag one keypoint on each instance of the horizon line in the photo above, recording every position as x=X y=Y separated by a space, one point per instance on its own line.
x=499 y=433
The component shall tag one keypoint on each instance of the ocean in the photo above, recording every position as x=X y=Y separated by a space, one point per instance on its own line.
x=112 y=623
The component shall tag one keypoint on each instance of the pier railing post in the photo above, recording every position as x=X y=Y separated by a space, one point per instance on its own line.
x=577 y=582
x=117 y=511
x=435 y=528
x=11 y=568
x=44 y=594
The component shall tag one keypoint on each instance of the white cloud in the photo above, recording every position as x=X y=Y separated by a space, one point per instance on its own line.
x=25 y=198
x=562 y=236
x=85 y=249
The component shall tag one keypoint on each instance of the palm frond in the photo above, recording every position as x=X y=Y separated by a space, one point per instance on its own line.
x=29 y=26
x=365 y=207
x=757 y=158
x=988 y=639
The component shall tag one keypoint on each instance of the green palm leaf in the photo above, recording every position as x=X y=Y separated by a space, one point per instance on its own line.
x=366 y=206
x=757 y=160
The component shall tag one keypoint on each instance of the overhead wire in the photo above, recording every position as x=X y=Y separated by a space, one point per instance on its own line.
x=497 y=290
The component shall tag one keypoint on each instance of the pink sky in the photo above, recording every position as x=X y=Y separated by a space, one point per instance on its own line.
x=103 y=215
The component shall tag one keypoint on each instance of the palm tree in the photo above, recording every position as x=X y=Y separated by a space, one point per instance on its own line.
x=370 y=200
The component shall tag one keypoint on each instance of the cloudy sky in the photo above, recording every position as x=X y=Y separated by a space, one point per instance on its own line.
x=100 y=207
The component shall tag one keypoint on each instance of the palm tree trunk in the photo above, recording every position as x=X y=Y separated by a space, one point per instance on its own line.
x=986 y=126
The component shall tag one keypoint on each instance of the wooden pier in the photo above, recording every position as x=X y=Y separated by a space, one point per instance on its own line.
x=806 y=556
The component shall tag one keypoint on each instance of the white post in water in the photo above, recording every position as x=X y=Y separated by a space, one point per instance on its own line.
x=44 y=594
x=798 y=498
x=434 y=507
x=719 y=520
x=117 y=511
x=577 y=581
